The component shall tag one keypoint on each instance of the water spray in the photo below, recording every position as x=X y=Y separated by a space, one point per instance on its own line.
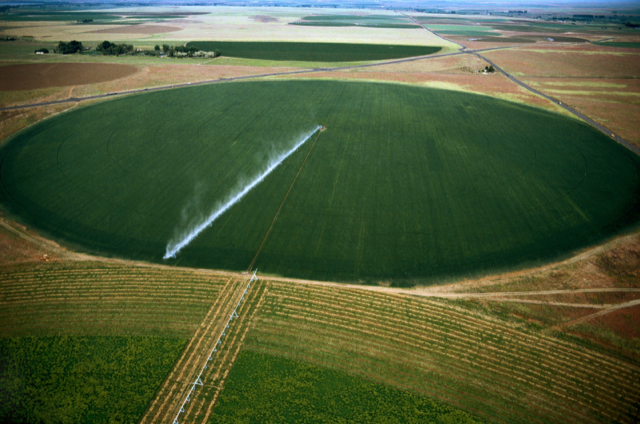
x=174 y=248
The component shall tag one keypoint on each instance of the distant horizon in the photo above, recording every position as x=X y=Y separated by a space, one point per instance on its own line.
x=446 y=4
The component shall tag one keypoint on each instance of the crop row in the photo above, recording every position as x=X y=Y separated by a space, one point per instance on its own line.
x=520 y=368
x=180 y=380
x=437 y=318
x=204 y=400
x=470 y=338
x=459 y=355
x=424 y=309
x=84 y=299
x=466 y=365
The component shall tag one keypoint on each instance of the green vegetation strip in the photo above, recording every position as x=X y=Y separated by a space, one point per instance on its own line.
x=82 y=379
x=265 y=388
x=313 y=52
x=371 y=21
x=621 y=44
x=407 y=185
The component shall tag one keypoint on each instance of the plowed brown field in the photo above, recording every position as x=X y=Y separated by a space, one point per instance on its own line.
x=45 y=75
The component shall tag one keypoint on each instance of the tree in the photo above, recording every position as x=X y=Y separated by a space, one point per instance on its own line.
x=166 y=48
x=157 y=48
x=69 y=48
x=108 y=48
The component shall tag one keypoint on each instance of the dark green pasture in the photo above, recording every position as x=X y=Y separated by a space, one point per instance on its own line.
x=313 y=52
x=407 y=185
x=620 y=44
x=82 y=379
x=264 y=388
x=370 y=21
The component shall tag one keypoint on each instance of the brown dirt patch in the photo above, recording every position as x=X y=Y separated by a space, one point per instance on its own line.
x=623 y=263
x=264 y=18
x=624 y=322
x=137 y=29
x=45 y=75
x=15 y=249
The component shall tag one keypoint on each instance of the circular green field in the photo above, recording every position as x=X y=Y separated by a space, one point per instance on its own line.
x=406 y=184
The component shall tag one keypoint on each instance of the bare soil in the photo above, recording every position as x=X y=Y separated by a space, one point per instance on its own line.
x=45 y=75
x=264 y=18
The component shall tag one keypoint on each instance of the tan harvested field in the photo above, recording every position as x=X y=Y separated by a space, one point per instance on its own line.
x=614 y=103
x=235 y=24
x=597 y=81
x=137 y=29
x=578 y=61
x=44 y=75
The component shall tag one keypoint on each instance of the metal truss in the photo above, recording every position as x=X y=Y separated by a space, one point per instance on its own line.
x=198 y=381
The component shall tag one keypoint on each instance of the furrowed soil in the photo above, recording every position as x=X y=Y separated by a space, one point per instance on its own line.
x=45 y=75
x=449 y=218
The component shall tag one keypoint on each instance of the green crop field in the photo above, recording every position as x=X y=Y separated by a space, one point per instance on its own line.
x=468 y=30
x=313 y=52
x=621 y=44
x=371 y=21
x=82 y=379
x=260 y=384
x=407 y=185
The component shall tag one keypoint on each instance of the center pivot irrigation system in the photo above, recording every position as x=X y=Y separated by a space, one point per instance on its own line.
x=198 y=381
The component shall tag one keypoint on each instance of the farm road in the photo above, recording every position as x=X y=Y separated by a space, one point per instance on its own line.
x=569 y=109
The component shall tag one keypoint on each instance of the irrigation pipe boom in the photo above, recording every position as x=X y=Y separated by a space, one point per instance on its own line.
x=198 y=381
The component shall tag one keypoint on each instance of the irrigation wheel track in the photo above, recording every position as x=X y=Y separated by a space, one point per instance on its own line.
x=275 y=218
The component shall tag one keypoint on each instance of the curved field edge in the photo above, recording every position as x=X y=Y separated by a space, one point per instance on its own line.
x=266 y=388
x=312 y=52
x=82 y=379
x=316 y=171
